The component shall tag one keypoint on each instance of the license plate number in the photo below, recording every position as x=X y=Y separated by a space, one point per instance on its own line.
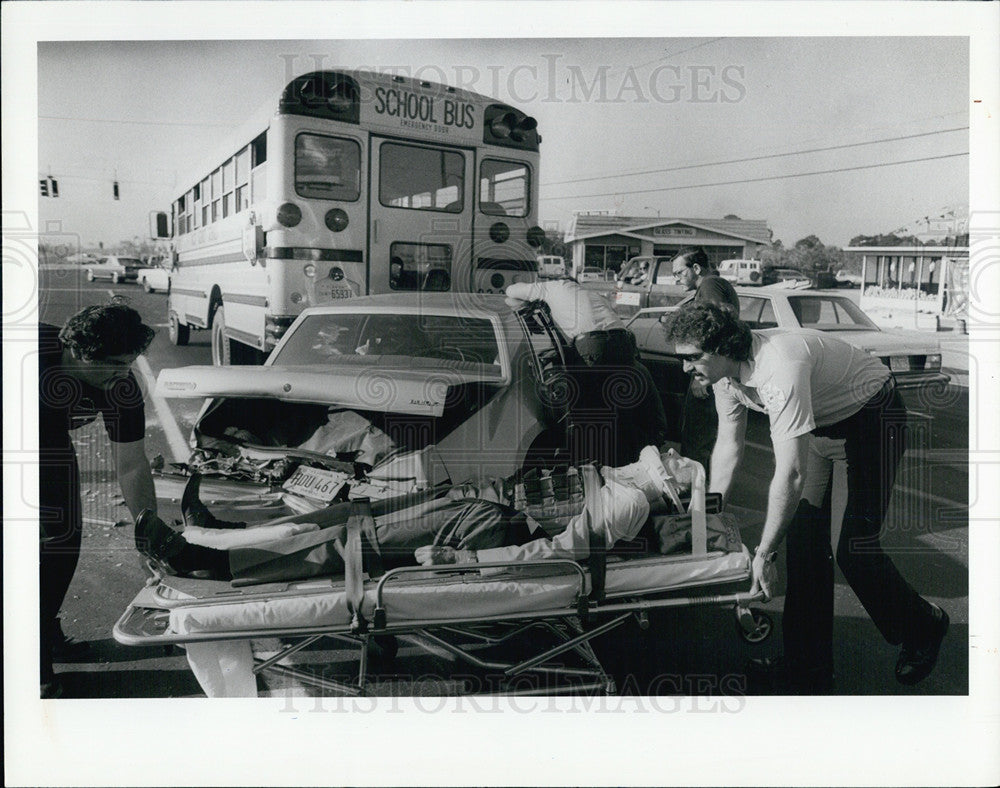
x=316 y=483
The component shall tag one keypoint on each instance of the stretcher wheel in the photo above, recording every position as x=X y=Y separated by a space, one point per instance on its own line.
x=760 y=627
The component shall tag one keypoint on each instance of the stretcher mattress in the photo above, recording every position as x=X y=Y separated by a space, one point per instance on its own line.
x=199 y=607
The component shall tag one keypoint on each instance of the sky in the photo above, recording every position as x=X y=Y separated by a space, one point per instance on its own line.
x=641 y=126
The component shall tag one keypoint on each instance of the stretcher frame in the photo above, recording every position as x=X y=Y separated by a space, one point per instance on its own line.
x=571 y=628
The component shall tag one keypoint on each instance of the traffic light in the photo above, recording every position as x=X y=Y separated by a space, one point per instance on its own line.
x=116 y=189
x=43 y=184
x=49 y=187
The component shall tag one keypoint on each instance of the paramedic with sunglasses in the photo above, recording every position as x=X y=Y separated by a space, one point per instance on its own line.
x=809 y=383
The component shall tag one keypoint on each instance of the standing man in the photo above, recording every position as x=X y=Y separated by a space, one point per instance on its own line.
x=808 y=382
x=699 y=422
x=83 y=371
x=613 y=387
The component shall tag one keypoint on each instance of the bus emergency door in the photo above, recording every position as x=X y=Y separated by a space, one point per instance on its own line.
x=420 y=228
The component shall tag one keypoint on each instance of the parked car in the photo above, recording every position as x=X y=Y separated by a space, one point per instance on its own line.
x=645 y=282
x=593 y=273
x=793 y=276
x=848 y=280
x=397 y=391
x=551 y=266
x=913 y=357
x=742 y=272
x=115 y=268
x=156 y=276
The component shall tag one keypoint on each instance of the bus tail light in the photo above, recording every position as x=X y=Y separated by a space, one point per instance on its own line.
x=289 y=214
x=499 y=232
x=536 y=236
x=336 y=220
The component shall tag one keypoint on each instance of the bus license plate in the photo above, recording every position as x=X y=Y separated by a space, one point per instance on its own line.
x=316 y=483
x=327 y=291
x=626 y=298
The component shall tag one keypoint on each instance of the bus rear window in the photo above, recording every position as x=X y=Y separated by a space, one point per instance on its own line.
x=503 y=188
x=327 y=168
x=423 y=179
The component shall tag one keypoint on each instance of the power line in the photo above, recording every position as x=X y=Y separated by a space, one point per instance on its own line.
x=136 y=122
x=756 y=158
x=757 y=180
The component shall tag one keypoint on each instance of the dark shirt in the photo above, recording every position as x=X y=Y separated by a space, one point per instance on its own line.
x=65 y=403
x=713 y=289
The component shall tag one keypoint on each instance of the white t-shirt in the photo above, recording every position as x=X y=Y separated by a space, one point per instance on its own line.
x=802 y=379
x=575 y=310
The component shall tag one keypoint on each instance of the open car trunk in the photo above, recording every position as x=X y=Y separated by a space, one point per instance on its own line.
x=260 y=425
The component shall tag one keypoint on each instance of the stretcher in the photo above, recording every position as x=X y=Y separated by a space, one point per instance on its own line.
x=473 y=613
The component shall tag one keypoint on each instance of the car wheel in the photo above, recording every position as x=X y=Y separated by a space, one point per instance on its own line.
x=178 y=332
x=221 y=352
x=114 y=277
x=90 y=275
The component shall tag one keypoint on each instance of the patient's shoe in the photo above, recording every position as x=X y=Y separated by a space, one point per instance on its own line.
x=196 y=513
x=156 y=540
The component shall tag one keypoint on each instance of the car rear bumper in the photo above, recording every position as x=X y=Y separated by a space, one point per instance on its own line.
x=912 y=380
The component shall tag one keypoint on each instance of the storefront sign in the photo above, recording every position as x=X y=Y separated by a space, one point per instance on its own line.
x=675 y=231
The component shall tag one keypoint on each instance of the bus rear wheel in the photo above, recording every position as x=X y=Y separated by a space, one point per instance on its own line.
x=221 y=353
x=178 y=332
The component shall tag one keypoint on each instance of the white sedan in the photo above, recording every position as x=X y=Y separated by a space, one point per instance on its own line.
x=396 y=391
x=154 y=278
x=913 y=356
x=117 y=269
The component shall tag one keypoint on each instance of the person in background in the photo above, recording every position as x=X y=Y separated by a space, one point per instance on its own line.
x=83 y=371
x=811 y=384
x=616 y=394
x=700 y=423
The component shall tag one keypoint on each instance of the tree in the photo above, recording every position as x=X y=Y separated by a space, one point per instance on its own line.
x=731 y=216
x=811 y=255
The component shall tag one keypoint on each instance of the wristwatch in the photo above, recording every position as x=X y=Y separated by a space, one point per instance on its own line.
x=768 y=557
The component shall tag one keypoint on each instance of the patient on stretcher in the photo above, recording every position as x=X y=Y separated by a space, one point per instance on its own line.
x=461 y=524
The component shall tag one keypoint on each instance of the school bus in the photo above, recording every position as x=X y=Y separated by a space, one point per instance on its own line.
x=358 y=183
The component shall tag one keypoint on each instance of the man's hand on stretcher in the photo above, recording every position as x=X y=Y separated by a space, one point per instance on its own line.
x=430 y=555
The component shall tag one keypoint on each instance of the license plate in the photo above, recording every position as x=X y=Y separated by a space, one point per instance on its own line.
x=627 y=298
x=326 y=291
x=899 y=363
x=317 y=483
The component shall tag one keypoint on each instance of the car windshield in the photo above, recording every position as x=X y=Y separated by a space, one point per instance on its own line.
x=409 y=340
x=129 y=261
x=830 y=314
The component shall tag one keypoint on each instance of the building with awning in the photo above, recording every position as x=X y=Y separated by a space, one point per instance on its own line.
x=606 y=240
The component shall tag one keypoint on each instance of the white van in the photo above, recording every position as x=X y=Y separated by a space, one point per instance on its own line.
x=742 y=272
x=551 y=266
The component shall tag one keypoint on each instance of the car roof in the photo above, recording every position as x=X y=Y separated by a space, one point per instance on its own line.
x=485 y=303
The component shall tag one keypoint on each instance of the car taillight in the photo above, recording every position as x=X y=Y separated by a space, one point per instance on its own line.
x=499 y=232
x=289 y=214
x=933 y=361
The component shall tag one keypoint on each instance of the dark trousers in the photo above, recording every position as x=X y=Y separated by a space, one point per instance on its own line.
x=699 y=428
x=616 y=411
x=874 y=441
x=60 y=538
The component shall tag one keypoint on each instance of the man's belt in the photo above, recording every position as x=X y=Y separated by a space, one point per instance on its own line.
x=614 y=346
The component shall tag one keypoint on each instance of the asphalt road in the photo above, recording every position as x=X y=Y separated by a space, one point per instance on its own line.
x=689 y=651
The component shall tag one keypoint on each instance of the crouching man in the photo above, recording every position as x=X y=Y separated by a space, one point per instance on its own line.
x=809 y=382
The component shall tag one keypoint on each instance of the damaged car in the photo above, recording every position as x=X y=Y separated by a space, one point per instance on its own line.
x=378 y=396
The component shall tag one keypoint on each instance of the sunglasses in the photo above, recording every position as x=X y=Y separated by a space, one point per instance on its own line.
x=690 y=357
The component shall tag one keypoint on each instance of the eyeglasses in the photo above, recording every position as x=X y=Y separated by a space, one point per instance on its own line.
x=691 y=357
